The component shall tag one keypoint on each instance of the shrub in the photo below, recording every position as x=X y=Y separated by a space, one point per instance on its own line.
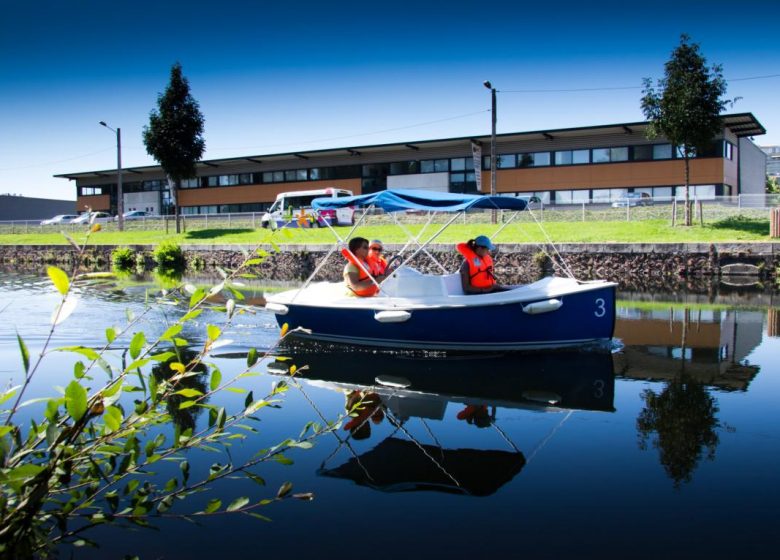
x=122 y=259
x=169 y=257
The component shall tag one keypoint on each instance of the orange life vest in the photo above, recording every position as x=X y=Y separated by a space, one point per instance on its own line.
x=377 y=265
x=480 y=268
x=363 y=269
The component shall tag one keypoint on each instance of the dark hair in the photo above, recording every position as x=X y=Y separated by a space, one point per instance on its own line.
x=472 y=244
x=356 y=242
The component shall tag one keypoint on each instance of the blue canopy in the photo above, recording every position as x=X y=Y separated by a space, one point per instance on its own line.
x=411 y=199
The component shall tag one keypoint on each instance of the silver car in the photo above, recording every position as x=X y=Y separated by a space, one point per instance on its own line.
x=59 y=219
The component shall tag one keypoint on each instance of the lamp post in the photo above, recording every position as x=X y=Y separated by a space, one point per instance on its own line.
x=489 y=86
x=120 y=220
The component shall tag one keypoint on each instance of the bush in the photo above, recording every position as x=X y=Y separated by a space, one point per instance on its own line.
x=122 y=259
x=169 y=257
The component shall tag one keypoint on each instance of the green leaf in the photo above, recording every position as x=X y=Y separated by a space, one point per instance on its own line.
x=59 y=279
x=112 y=416
x=5 y=395
x=257 y=515
x=187 y=404
x=284 y=489
x=189 y=393
x=171 y=332
x=257 y=479
x=136 y=344
x=238 y=503
x=76 y=400
x=195 y=298
x=163 y=357
x=138 y=363
x=5 y=429
x=251 y=357
x=88 y=353
x=213 y=332
x=25 y=353
x=79 y=369
x=216 y=379
x=213 y=505
x=191 y=315
x=110 y=334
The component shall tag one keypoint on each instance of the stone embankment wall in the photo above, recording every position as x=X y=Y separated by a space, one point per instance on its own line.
x=632 y=265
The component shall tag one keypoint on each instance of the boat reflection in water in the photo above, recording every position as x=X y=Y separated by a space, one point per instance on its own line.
x=399 y=387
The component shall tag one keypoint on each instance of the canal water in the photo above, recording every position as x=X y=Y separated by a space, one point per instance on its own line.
x=667 y=445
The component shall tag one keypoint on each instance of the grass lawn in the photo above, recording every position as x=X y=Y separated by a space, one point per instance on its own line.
x=647 y=231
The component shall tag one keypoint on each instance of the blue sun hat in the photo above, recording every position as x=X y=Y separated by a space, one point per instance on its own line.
x=484 y=241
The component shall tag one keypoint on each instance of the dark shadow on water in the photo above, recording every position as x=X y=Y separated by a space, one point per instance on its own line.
x=741 y=223
x=217 y=233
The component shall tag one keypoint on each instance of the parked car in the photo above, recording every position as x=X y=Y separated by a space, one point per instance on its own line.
x=93 y=218
x=59 y=219
x=135 y=215
x=634 y=199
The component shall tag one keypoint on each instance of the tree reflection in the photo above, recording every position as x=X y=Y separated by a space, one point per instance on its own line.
x=683 y=419
x=183 y=419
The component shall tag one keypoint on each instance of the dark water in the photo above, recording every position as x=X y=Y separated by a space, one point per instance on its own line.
x=667 y=447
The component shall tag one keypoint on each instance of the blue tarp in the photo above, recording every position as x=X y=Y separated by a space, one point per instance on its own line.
x=409 y=199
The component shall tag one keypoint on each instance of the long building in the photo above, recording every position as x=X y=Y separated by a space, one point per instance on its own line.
x=597 y=163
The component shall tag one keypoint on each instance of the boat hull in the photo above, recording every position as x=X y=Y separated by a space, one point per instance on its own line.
x=583 y=317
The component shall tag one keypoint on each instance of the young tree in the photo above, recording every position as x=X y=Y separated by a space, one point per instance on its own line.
x=174 y=137
x=685 y=105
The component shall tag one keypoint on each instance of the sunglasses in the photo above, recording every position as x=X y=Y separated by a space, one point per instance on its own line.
x=376 y=249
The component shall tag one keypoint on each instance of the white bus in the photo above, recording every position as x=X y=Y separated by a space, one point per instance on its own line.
x=289 y=207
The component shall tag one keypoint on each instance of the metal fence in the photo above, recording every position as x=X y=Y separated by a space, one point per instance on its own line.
x=627 y=209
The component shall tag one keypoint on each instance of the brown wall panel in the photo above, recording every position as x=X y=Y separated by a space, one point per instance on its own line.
x=660 y=333
x=630 y=174
x=257 y=193
x=101 y=202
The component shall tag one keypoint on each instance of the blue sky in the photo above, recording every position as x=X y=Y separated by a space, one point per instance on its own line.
x=279 y=77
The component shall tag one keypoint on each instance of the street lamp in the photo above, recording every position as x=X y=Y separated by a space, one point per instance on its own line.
x=119 y=196
x=489 y=86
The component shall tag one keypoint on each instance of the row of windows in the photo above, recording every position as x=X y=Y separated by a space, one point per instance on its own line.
x=226 y=208
x=374 y=175
x=580 y=196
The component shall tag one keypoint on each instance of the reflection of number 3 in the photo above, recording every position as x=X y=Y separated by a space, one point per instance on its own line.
x=601 y=309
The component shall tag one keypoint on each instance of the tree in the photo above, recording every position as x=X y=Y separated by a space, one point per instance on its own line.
x=174 y=137
x=685 y=105
x=772 y=185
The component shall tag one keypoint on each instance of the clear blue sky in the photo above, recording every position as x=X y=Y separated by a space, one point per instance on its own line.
x=286 y=76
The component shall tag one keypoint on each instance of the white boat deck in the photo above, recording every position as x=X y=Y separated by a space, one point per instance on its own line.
x=409 y=289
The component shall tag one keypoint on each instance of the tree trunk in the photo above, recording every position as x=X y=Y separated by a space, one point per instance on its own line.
x=688 y=220
x=174 y=188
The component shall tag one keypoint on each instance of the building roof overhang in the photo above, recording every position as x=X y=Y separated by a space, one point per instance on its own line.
x=740 y=124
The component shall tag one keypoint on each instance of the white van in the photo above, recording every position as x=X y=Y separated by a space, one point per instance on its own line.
x=289 y=207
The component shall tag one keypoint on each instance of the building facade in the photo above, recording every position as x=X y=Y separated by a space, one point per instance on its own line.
x=564 y=166
x=772 y=160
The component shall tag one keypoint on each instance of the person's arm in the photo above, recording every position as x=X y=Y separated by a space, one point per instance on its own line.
x=465 y=281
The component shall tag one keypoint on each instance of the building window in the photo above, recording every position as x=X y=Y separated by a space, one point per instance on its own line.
x=728 y=150
x=662 y=151
x=190 y=183
x=434 y=165
x=534 y=159
x=506 y=161
x=458 y=164
x=404 y=167
x=572 y=157
x=608 y=155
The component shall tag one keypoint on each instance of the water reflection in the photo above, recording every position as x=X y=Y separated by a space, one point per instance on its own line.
x=680 y=422
x=707 y=345
x=183 y=418
x=396 y=388
x=690 y=349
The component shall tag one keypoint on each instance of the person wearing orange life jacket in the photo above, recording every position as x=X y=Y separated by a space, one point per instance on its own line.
x=476 y=272
x=376 y=262
x=356 y=271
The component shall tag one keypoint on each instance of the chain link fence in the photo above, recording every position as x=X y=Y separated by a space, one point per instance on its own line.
x=705 y=210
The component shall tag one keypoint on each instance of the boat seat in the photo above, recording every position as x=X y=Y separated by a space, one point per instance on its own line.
x=408 y=282
x=452 y=284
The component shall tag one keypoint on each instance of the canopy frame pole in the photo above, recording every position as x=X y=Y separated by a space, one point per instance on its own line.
x=416 y=239
x=434 y=236
x=340 y=243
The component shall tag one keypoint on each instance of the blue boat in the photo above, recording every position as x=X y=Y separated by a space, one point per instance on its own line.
x=430 y=311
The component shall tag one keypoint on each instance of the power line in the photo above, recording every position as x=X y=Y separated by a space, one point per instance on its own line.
x=575 y=90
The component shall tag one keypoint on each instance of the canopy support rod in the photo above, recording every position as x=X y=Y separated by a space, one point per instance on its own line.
x=434 y=236
x=416 y=240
